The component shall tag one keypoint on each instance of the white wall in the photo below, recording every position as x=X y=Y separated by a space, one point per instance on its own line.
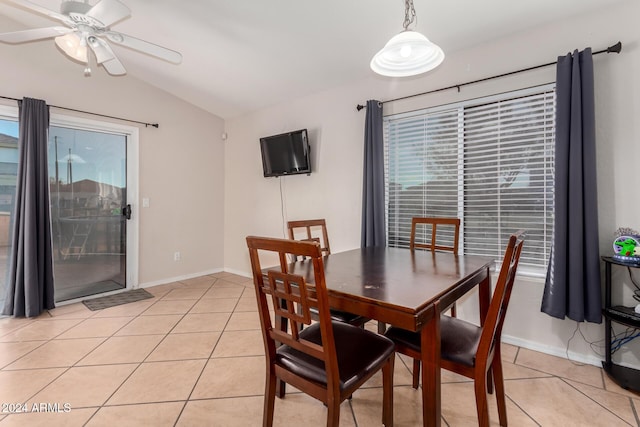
x=333 y=190
x=181 y=162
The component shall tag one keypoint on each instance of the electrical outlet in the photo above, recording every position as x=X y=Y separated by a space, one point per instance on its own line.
x=177 y=256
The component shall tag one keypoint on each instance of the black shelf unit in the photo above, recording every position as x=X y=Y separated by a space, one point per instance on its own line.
x=625 y=377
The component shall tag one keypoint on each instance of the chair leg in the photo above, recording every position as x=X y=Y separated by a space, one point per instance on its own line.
x=498 y=380
x=387 y=392
x=490 y=381
x=382 y=327
x=333 y=413
x=480 y=386
x=281 y=388
x=269 y=400
x=453 y=310
x=416 y=373
x=490 y=375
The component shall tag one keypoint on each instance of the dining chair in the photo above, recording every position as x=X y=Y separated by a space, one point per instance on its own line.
x=327 y=360
x=470 y=350
x=434 y=244
x=315 y=230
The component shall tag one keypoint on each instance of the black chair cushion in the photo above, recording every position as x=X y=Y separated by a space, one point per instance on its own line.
x=358 y=350
x=459 y=339
x=342 y=316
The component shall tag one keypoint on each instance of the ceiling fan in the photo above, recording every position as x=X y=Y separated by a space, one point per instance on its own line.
x=88 y=29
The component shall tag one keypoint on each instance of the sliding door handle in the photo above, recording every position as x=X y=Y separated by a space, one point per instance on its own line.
x=126 y=211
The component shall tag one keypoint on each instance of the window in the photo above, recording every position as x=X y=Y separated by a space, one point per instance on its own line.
x=488 y=161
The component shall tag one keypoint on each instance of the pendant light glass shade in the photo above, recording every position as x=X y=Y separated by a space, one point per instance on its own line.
x=407 y=54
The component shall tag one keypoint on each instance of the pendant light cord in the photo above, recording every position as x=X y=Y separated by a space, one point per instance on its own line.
x=409 y=14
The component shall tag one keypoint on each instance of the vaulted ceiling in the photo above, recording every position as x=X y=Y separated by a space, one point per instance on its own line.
x=243 y=55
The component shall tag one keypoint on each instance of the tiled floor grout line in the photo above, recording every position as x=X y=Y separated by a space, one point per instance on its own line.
x=151 y=352
x=43 y=344
x=353 y=413
x=204 y=367
x=595 y=401
x=506 y=394
x=635 y=413
x=210 y=354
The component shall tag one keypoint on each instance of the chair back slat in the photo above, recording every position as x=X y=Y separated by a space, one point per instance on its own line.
x=440 y=244
x=310 y=230
x=492 y=327
x=292 y=298
x=288 y=295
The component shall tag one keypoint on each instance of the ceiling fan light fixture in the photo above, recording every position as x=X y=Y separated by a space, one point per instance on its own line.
x=73 y=46
x=408 y=53
x=87 y=31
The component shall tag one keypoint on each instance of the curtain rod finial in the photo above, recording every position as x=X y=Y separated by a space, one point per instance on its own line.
x=359 y=107
x=616 y=48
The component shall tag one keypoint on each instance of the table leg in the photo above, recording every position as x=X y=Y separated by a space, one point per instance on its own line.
x=430 y=342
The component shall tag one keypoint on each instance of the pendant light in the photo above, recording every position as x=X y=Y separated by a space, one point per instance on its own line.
x=408 y=53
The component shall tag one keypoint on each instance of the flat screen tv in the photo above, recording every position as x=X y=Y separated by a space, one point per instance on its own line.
x=285 y=154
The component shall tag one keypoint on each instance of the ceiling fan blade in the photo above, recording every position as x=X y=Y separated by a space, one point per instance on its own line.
x=105 y=56
x=145 y=47
x=35 y=34
x=41 y=10
x=101 y=49
x=109 y=12
x=114 y=67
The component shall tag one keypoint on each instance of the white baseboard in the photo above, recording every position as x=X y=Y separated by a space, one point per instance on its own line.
x=179 y=278
x=553 y=351
x=238 y=272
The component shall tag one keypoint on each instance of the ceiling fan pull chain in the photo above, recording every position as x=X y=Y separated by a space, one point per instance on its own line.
x=90 y=54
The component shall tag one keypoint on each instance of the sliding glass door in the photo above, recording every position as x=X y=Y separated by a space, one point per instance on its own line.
x=8 y=173
x=89 y=211
x=92 y=169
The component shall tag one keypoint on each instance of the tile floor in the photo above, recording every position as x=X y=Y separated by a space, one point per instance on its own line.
x=193 y=356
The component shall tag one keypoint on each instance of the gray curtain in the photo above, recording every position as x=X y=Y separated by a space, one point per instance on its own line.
x=572 y=288
x=30 y=279
x=373 y=225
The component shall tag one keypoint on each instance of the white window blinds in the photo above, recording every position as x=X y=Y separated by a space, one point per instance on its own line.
x=489 y=162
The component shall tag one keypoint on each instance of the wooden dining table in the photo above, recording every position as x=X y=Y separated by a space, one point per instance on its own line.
x=407 y=289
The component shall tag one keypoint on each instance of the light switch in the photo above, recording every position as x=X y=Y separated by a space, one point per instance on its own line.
x=145 y=202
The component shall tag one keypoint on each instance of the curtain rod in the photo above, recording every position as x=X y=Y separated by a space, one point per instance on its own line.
x=616 y=48
x=155 y=125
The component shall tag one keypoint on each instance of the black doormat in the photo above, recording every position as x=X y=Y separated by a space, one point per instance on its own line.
x=117 y=299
